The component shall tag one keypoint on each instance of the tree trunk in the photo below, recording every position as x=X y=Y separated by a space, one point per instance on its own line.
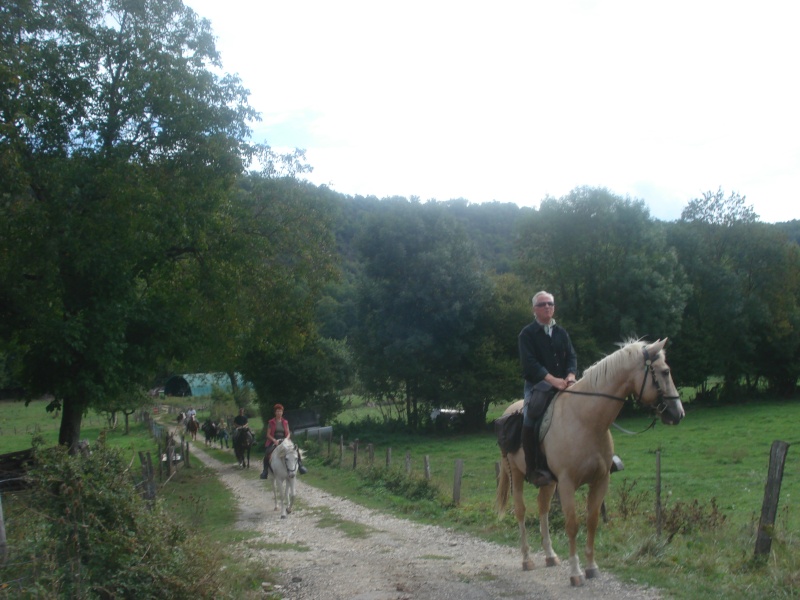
x=127 y=414
x=70 y=432
x=234 y=386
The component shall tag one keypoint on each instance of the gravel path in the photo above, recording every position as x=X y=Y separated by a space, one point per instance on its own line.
x=397 y=559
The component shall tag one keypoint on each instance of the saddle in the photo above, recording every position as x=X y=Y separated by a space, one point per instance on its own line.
x=508 y=428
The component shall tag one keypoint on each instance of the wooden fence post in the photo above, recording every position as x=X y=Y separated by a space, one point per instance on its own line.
x=3 y=542
x=427 y=467
x=371 y=453
x=148 y=482
x=355 y=454
x=341 y=450
x=457 y=481
x=388 y=457
x=772 y=492
x=186 y=456
x=408 y=462
x=658 y=494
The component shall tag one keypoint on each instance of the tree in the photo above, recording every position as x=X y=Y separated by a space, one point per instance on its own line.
x=714 y=209
x=742 y=317
x=119 y=146
x=609 y=266
x=420 y=300
x=313 y=377
x=270 y=261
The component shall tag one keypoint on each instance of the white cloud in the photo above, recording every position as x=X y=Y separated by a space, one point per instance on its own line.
x=516 y=100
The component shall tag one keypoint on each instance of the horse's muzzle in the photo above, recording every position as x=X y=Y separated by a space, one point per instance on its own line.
x=671 y=411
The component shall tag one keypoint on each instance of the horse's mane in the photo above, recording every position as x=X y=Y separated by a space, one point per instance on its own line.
x=628 y=355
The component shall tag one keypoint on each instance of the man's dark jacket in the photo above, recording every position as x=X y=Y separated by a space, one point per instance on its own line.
x=541 y=354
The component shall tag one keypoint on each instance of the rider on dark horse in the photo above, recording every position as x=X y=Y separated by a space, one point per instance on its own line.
x=239 y=422
x=278 y=431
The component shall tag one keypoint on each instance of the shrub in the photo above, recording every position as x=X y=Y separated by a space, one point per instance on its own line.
x=85 y=532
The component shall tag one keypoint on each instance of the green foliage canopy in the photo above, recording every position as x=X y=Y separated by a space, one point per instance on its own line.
x=119 y=144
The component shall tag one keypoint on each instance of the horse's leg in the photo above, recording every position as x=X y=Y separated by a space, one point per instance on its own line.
x=275 y=488
x=284 y=494
x=517 y=481
x=595 y=499
x=567 y=494
x=544 y=499
x=290 y=494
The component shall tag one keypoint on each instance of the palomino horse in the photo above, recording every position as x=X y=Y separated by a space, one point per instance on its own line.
x=243 y=440
x=283 y=463
x=579 y=446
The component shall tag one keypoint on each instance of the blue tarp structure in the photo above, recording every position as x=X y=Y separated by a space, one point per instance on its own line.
x=199 y=384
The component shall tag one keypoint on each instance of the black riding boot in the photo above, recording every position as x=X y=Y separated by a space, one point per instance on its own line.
x=535 y=471
x=265 y=472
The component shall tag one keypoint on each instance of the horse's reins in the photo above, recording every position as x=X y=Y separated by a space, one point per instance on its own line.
x=660 y=408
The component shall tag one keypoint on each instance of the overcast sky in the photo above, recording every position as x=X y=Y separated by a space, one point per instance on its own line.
x=515 y=101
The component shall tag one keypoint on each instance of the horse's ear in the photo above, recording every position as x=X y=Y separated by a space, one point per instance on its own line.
x=656 y=347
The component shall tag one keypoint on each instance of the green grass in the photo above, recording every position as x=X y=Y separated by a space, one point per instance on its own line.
x=713 y=473
x=714 y=467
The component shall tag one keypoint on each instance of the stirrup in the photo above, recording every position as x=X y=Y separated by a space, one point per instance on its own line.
x=617 y=464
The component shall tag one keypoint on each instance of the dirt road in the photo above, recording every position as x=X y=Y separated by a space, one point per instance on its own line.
x=395 y=559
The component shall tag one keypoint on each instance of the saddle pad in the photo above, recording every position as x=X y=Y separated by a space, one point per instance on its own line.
x=547 y=418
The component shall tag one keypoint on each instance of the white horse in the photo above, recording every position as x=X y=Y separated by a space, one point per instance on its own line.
x=283 y=463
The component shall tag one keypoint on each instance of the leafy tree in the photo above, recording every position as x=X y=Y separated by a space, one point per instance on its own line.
x=119 y=145
x=270 y=259
x=609 y=266
x=714 y=209
x=314 y=376
x=743 y=314
x=489 y=371
x=420 y=301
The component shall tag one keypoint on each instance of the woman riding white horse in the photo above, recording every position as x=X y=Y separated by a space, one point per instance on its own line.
x=277 y=431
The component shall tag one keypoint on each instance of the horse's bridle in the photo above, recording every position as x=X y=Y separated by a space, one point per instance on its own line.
x=286 y=464
x=660 y=408
x=663 y=404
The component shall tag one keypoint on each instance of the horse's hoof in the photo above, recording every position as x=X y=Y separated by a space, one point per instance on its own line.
x=592 y=573
x=552 y=561
x=577 y=580
x=528 y=565
x=283 y=516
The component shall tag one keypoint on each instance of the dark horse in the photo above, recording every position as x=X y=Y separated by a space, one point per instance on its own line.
x=209 y=429
x=243 y=440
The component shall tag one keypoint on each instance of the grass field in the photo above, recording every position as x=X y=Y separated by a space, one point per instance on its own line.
x=713 y=473
x=714 y=468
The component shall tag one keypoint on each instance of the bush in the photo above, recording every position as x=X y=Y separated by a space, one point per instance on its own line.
x=85 y=532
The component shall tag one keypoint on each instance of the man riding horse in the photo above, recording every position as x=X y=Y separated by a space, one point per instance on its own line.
x=549 y=364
